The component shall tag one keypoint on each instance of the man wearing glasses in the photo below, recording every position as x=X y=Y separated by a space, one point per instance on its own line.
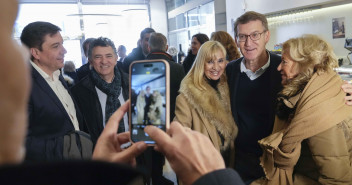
x=254 y=84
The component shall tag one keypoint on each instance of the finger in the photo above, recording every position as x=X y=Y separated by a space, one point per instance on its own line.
x=123 y=137
x=130 y=153
x=176 y=127
x=113 y=123
x=160 y=137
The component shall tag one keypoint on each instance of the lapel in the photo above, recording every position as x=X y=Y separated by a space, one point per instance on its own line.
x=40 y=81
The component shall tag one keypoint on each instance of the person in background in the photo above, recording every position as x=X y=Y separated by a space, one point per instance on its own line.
x=121 y=51
x=204 y=101
x=229 y=44
x=197 y=41
x=85 y=68
x=104 y=90
x=140 y=52
x=52 y=113
x=69 y=73
x=158 y=47
x=173 y=52
x=311 y=140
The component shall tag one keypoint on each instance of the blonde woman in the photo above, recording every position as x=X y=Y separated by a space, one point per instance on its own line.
x=204 y=103
x=140 y=104
x=312 y=136
x=229 y=44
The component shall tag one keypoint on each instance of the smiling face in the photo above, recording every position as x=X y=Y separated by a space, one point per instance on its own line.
x=214 y=68
x=103 y=61
x=51 y=57
x=252 y=50
x=195 y=45
x=287 y=68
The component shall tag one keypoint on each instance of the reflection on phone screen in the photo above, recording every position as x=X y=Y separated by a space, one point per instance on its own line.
x=148 y=89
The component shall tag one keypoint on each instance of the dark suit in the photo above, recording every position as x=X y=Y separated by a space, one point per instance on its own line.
x=247 y=147
x=87 y=99
x=48 y=121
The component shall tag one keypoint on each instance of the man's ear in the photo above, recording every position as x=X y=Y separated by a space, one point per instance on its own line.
x=34 y=52
x=267 y=36
x=167 y=47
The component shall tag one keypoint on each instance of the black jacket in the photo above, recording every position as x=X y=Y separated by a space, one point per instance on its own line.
x=87 y=99
x=188 y=61
x=48 y=121
x=136 y=54
x=176 y=75
x=82 y=72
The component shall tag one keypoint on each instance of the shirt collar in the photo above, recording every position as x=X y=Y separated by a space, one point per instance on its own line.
x=56 y=74
x=263 y=68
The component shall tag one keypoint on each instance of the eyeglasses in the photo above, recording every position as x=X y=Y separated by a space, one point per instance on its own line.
x=254 y=36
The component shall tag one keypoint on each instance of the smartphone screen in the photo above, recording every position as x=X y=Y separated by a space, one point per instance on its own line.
x=149 y=98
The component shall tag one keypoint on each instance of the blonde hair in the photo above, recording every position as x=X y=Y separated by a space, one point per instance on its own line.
x=312 y=55
x=206 y=53
x=228 y=42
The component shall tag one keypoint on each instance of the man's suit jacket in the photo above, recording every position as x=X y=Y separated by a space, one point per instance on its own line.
x=48 y=121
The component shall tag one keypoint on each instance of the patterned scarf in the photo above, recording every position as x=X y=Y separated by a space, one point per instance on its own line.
x=112 y=90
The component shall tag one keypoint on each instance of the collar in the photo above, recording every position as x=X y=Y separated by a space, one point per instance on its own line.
x=160 y=53
x=262 y=69
x=56 y=74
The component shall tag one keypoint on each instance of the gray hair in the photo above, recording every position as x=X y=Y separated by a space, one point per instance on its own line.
x=157 y=42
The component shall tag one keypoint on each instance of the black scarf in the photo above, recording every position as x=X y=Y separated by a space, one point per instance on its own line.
x=112 y=90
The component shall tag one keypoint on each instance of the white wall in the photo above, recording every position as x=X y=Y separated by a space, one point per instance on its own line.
x=233 y=10
x=270 y=6
x=317 y=22
x=158 y=15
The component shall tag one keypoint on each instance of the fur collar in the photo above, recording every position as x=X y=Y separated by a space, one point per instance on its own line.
x=213 y=105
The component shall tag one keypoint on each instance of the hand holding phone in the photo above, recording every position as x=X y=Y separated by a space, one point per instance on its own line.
x=149 y=92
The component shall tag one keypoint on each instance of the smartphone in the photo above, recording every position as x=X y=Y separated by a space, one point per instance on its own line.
x=150 y=98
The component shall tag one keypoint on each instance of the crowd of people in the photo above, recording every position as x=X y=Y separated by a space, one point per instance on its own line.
x=256 y=119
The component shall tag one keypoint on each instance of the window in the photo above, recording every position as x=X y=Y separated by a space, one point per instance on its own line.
x=200 y=19
x=121 y=23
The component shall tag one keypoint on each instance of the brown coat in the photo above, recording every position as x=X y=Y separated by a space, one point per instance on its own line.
x=208 y=112
x=326 y=158
x=314 y=146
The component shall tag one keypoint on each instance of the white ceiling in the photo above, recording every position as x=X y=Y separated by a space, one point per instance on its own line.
x=104 y=2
